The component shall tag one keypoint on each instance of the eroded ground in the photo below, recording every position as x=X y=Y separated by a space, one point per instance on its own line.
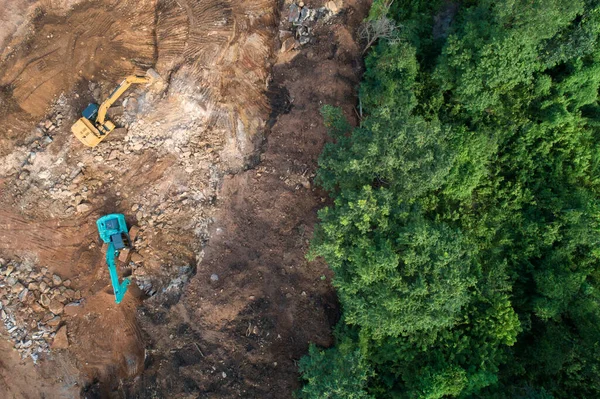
x=216 y=170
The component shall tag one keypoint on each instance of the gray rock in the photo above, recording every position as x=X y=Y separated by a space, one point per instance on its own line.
x=56 y=280
x=23 y=294
x=214 y=277
x=18 y=288
x=44 y=300
x=294 y=13
x=84 y=207
x=56 y=307
x=304 y=13
x=288 y=44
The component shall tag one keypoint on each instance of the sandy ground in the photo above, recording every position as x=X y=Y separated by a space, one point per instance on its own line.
x=216 y=170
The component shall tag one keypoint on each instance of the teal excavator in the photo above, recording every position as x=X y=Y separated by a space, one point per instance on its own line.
x=113 y=231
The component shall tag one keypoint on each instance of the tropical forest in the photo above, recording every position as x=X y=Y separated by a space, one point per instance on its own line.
x=464 y=214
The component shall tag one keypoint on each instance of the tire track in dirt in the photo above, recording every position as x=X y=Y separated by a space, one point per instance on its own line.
x=97 y=41
x=242 y=334
x=56 y=244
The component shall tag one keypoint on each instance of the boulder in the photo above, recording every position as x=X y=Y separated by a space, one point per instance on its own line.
x=331 y=6
x=61 y=341
x=294 y=13
x=56 y=280
x=84 y=207
x=288 y=44
x=56 y=307
x=44 y=300
x=18 y=288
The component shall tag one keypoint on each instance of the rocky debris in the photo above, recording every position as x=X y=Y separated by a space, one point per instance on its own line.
x=170 y=282
x=61 y=341
x=31 y=302
x=288 y=44
x=303 y=20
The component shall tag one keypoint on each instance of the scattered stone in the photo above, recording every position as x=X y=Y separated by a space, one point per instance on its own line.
x=44 y=300
x=67 y=283
x=17 y=288
x=113 y=155
x=23 y=295
x=56 y=280
x=331 y=6
x=61 y=341
x=56 y=307
x=214 y=277
x=288 y=44
x=36 y=307
x=304 y=13
x=44 y=174
x=114 y=112
x=294 y=13
x=29 y=325
x=84 y=207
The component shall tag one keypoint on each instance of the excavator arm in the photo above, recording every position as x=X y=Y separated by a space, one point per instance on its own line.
x=118 y=92
x=119 y=288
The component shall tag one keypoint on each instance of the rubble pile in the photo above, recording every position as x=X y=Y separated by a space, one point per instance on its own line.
x=32 y=303
x=302 y=20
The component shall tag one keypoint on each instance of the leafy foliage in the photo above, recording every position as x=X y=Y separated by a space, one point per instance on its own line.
x=333 y=374
x=464 y=230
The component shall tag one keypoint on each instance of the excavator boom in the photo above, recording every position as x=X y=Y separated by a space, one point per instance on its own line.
x=119 y=288
x=93 y=127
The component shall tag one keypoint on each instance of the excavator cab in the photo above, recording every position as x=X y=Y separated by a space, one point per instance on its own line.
x=113 y=231
x=93 y=127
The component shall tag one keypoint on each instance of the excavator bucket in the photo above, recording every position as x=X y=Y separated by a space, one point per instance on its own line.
x=153 y=75
x=156 y=83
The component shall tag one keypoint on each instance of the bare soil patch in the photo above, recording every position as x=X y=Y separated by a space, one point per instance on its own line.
x=217 y=171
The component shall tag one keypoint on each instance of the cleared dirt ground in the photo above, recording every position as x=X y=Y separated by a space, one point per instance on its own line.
x=216 y=170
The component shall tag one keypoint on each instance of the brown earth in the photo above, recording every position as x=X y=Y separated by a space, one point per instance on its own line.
x=217 y=171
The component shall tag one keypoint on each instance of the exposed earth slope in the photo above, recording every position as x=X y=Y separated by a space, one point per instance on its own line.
x=216 y=170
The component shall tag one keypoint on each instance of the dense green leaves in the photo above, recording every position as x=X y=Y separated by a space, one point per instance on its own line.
x=334 y=374
x=464 y=232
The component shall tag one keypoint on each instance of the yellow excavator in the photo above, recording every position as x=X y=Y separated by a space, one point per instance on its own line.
x=93 y=127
